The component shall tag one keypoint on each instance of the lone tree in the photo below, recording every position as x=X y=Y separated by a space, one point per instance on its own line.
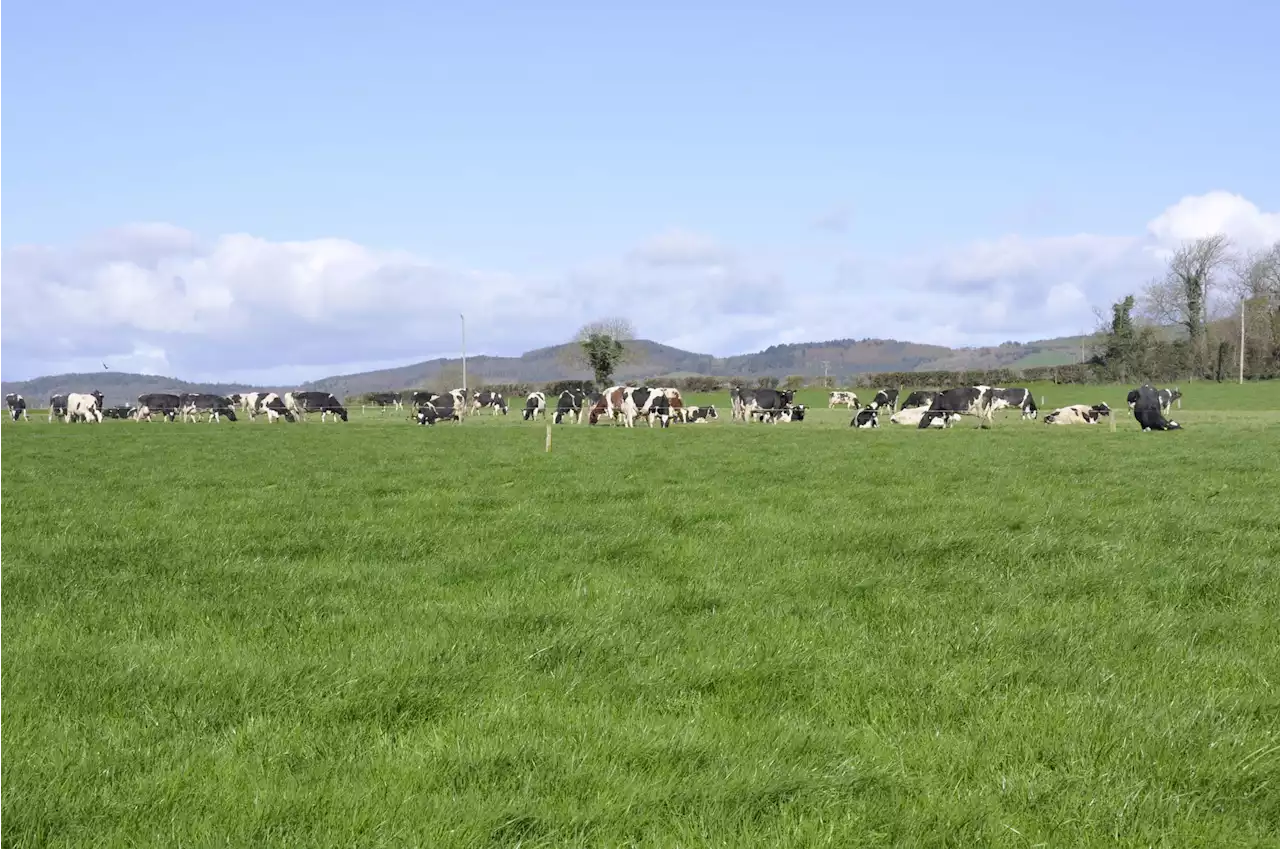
x=1182 y=296
x=600 y=347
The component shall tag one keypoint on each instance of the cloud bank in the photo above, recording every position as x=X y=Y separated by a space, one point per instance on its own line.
x=156 y=298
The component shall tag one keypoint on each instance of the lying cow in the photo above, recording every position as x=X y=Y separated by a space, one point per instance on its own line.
x=912 y=416
x=868 y=417
x=429 y=414
x=1148 y=410
x=700 y=415
x=1078 y=414
x=17 y=407
x=124 y=411
x=835 y=399
x=963 y=401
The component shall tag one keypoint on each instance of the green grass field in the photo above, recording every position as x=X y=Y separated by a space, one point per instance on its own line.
x=377 y=634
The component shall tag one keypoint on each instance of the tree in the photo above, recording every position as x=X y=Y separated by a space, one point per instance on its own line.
x=1182 y=296
x=767 y=382
x=1257 y=284
x=600 y=347
x=1117 y=340
x=793 y=381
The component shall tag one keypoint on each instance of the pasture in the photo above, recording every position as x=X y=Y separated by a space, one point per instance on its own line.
x=379 y=634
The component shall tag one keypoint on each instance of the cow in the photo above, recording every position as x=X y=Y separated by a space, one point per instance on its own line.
x=274 y=406
x=765 y=404
x=1021 y=399
x=919 y=398
x=794 y=413
x=384 y=400
x=164 y=403
x=124 y=411
x=87 y=406
x=1149 y=411
x=884 y=398
x=422 y=396
x=1078 y=414
x=493 y=400
x=324 y=403
x=429 y=414
x=535 y=404
x=835 y=399
x=912 y=415
x=216 y=406
x=17 y=406
x=674 y=400
x=1166 y=397
x=57 y=407
x=569 y=404
x=700 y=415
x=867 y=417
x=964 y=401
x=649 y=403
x=609 y=404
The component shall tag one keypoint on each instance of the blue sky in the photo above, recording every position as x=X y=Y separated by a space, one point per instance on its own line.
x=329 y=179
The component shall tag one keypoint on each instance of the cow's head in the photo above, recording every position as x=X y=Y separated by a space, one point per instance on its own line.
x=426 y=416
x=797 y=413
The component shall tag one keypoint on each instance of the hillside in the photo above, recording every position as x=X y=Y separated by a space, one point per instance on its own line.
x=842 y=358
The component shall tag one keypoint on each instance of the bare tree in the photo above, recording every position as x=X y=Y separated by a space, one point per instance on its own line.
x=1256 y=282
x=1182 y=296
x=598 y=347
x=1257 y=274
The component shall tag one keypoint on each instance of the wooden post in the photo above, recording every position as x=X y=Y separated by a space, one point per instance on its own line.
x=1112 y=421
x=548 y=437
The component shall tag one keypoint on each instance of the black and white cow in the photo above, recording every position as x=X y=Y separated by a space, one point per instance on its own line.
x=884 y=398
x=422 y=396
x=1017 y=398
x=535 y=404
x=793 y=413
x=912 y=415
x=650 y=403
x=17 y=407
x=1078 y=414
x=919 y=398
x=324 y=403
x=766 y=404
x=492 y=400
x=963 y=401
x=867 y=417
x=124 y=411
x=57 y=407
x=700 y=415
x=835 y=399
x=87 y=406
x=442 y=410
x=217 y=406
x=569 y=405
x=164 y=404
x=1149 y=411
x=385 y=399
x=274 y=407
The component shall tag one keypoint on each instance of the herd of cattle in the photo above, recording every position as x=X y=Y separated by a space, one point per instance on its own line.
x=618 y=404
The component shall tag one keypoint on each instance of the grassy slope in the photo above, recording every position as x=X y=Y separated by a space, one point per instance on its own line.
x=377 y=634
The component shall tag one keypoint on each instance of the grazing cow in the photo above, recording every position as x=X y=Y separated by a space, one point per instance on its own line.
x=164 y=403
x=216 y=406
x=1149 y=411
x=964 y=401
x=87 y=406
x=700 y=415
x=385 y=399
x=867 y=417
x=835 y=399
x=324 y=403
x=609 y=405
x=57 y=407
x=535 y=404
x=766 y=404
x=569 y=404
x=124 y=411
x=1022 y=399
x=912 y=415
x=884 y=398
x=17 y=406
x=1078 y=414
x=274 y=406
x=493 y=400
x=649 y=403
x=919 y=398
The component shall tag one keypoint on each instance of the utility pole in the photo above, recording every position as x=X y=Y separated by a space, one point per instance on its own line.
x=1242 y=305
x=465 y=397
x=826 y=366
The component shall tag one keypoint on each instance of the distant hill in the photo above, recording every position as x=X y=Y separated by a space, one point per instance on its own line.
x=842 y=358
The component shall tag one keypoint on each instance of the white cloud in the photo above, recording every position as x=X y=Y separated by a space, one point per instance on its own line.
x=157 y=298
